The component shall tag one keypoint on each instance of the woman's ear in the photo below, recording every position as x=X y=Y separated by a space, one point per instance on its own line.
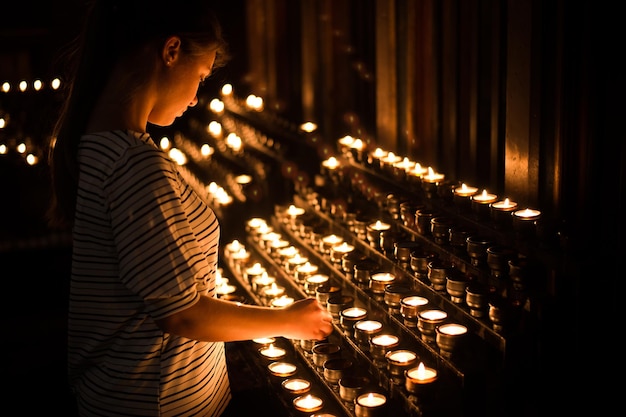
x=171 y=50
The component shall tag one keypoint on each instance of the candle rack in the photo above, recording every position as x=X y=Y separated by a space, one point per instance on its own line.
x=493 y=289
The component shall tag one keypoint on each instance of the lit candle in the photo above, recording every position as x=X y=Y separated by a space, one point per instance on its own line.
x=419 y=378
x=272 y=291
x=329 y=241
x=418 y=170
x=308 y=403
x=296 y=385
x=264 y=341
x=282 y=301
x=305 y=270
x=484 y=198
x=346 y=141
x=400 y=360
x=293 y=211
x=232 y=247
x=365 y=329
x=482 y=201
x=224 y=289
x=272 y=352
x=296 y=261
x=369 y=404
x=465 y=191
x=261 y=281
x=448 y=336
x=331 y=163
x=527 y=214
x=254 y=271
x=312 y=282
x=380 y=280
x=373 y=231
x=433 y=177
x=388 y=161
x=428 y=320
x=410 y=306
x=268 y=238
x=357 y=147
x=308 y=127
x=349 y=316
x=406 y=165
x=287 y=253
x=255 y=223
x=282 y=369
x=401 y=356
x=240 y=257
x=380 y=344
x=379 y=226
x=385 y=340
x=504 y=205
x=501 y=211
x=337 y=251
x=524 y=221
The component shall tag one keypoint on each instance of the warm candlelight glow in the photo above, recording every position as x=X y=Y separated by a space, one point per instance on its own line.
x=294 y=211
x=346 y=140
x=414 y=301
x=308 y=127
x=368 y=325
x=505 y=204
x=354 y=312
x=401 y=356
x=484 y=197
x=272 y=352
x=405 y=164
x=255 y=270
x=453 y=329
x=282 y=301
x=371 y=400
x=331 y=163
x=264 y=340
x=308 y=403
x=465 y=190
x=282 y=368
x=296 y=385
x=380 y=226
x=357 y=144
x=433 y=314
x=307 y=268
x=379 y=153
x=391 y=158
x=383 y=277
x=527 y=214
x=418 y=170
x=385 y=340
x=421 y=374
x=273 y=290
x=432 y=176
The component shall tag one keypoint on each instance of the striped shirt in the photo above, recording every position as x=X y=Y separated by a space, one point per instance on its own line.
x=145 y=247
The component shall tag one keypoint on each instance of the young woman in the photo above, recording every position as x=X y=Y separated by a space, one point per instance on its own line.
x=146 y=331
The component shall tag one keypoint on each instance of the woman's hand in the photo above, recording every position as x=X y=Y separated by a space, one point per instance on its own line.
x=307 y=320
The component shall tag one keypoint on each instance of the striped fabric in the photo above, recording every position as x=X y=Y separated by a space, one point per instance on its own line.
x=145 y=247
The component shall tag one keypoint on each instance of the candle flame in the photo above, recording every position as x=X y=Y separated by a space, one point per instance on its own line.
x=421 y=371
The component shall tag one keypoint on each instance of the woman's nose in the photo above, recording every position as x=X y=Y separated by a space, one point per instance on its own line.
x=194 y=101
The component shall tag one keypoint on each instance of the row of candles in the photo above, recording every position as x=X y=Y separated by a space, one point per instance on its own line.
x=383 y=285
x=426 y=265
x=368 y=333
x=467 y=198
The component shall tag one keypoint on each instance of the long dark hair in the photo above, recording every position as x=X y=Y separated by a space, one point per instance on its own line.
x=114 y=29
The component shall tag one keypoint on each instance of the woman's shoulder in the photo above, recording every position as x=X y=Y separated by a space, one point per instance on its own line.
x=117 y=139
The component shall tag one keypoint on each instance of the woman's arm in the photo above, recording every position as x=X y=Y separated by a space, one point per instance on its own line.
x=212 y=319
